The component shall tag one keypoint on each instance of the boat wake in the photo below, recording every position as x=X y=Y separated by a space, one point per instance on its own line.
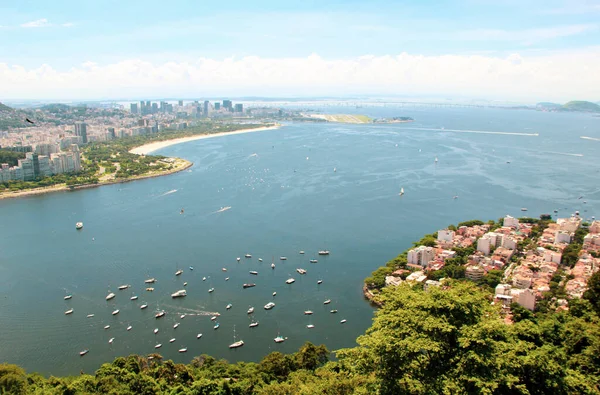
x=589 y=138
x=223 y=209
x=254 y=155
x=475 y=131
x=565 y=153
x=168 y=193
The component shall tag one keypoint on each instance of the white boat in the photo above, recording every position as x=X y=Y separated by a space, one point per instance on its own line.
x=282 y=258
x=82 y=353
x=523 y=209
x=319 y=281
x=310 y=326
x=323 y=252
x=199 y=335
x=343 y=321
x=134 y=297
x=159 y=314
x=150 y=281
x=175 y=325
x=179 y=294
x=253 y=324
x=248 y=256
x=335 y=169
x=272 y=266
x=191 y=267
x=155 y=331
x=211 y=290
x=308 y=312
x=216 y=326
x=178 y=272
x=106 y=326
x=129 y=327
x=183 y=349
x=238 y=259
x=327 y=301
x=235 y=343
x=110 y=296
x=333 y=311
x=150 y=289
x=144 y=306
x=203 y=278
x=224 y=269
x=213 y=318
x=67 y=297
x=313 y=261
x=70 y=311
x=90 y=315
x=158 y=346
x=260 y=259
x=269 y=306
x=229 y=306
x=254 y=272
x=172 y=340
x=112 y=339
x=124 y=286
x=301 y=271
x=436 y=159
x=274 y=293
x=182 y=316
x=279 y=339
x=301 y=252
x=290 y=281
x=115 y=312
x=226 y=278
x=401 y=191
x=251 y=310
x=79 y=225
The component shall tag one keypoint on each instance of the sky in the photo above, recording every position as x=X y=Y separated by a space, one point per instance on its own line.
x=513 y=50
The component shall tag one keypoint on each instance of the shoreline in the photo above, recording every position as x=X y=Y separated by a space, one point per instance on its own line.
x=151 y=147
x=141 y=150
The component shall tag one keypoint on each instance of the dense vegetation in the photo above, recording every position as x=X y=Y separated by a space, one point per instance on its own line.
x=581 y=106
x=447 y=340
x=114 y=157
x=10 y=157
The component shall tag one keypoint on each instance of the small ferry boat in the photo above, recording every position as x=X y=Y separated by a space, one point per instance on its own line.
x=290 y=281
x=159 y=314
x=110 y=296
x=70 y=311
x=67 y=297
x=313 y=261
x=144 y=306
x=79 y=225
x=251 y=310
x=248 y=285
x=115 y=312
x=179 y=294
x=254 y=272
x=150 y=281
x=323 y=252
x=82 y=353
x=308 y=312
x=301 y=271
x=327 y=301
x=269 y=306
x=124 y=286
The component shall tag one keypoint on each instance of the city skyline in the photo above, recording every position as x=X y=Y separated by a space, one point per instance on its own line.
x=468 y=48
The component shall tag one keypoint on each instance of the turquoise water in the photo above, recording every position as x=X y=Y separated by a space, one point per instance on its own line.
x=284 y=199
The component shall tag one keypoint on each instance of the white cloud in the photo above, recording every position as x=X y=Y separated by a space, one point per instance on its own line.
x=68 y=24
x=520 y=77
x=37 y=23
x=527 y=36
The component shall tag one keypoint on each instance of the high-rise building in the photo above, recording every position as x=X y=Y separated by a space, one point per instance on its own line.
x=142 y=107
x=217 y=106
x=134 y=108
x=81 y=131
x=239 y=107
x=111 y=133
x=206 y=103
x=27 y=166
x=154 y=108
x=228 y=105
x=44 y=166
x=180 y=103
x=46 y=149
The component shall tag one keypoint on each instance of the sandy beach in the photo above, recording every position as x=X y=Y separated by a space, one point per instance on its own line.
x=149 y=148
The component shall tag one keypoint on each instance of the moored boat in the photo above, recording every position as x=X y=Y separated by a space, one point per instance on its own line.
x=178 y=272
x=301 y=271
x=183 y=349
x=211 y=290
x=158 y=346
x=124 y=286
x=327 y=301
x=313 y=261
x=134 y=297
x=129 y=327
x=282 y=258
x=175 y=325
x=150 y=281
x=67 y=297
x=323 y=252
x=253 y=272
x=248 y=285
x=308 y=312
x=159 y=314
x=229 y=306
x=248 y=256
x=290 y=281
x=279 y=339
x=251 y=310
x=70 y=311
x=343 y=321
x=269 y=306
x=110 y=296
x=253 y=324
x=172 y=340
x=82 y=353
x=144 y=306
x=179 y=294
x=115 y=312
x=79 y=225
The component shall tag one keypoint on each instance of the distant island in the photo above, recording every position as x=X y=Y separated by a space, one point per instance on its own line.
x=576 y=105
x=353 y=118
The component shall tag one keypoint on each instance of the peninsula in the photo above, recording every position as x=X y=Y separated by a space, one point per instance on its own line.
x=354 y=118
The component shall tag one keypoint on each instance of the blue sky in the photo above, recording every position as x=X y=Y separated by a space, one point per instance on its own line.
x=67 y=34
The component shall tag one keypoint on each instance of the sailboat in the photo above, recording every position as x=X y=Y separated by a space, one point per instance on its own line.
x=235 y=343
x=401 y=191
x=436 y=160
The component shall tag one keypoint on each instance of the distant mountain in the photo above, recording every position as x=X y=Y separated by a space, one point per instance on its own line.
x=548 y=105
x=11 y=118
x=586 y=106
x=56 y=108
x=5 y=108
